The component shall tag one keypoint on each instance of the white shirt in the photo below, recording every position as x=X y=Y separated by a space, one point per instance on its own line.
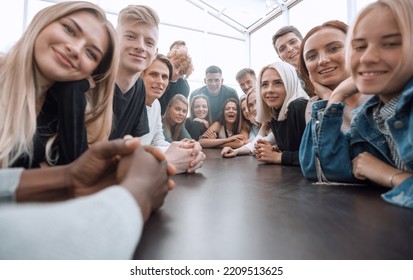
x=155 y=136
x=251 y=144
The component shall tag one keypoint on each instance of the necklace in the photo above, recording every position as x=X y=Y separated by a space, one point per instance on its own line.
x=229 y=132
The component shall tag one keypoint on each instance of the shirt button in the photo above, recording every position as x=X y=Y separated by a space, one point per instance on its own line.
x=334 y=110
x=398 y=124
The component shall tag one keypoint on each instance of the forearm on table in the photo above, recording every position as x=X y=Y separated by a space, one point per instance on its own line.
x=47 y=184
x=232 y=144
x=244 y=150
x=210 y=143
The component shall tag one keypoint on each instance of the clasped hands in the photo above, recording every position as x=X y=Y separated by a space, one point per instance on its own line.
x=142 y=170
x=265 y=152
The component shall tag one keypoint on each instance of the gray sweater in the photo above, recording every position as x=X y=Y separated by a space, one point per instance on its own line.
x=105 y=225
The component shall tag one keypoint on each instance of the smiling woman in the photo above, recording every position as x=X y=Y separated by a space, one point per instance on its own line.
x=227 y=131
x=281 y=103
x=378 y=146
x=322 y=66
x=45 y=78
x=70 y=48
x=64 y=43
x=174 y=119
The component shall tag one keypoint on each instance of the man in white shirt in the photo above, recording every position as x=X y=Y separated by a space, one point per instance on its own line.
x=185 y=155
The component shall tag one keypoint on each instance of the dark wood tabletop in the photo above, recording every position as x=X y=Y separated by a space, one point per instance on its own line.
x=241 y=209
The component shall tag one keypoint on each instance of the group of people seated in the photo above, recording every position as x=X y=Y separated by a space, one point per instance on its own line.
x=96 y=121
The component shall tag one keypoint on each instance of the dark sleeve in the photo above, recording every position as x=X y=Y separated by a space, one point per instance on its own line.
x=62 y=113
x=290 y=158
x=185 y=88
x=143 y=124
x=195 y=129
x=296 y=124
x=190 y=128
x=72 y=135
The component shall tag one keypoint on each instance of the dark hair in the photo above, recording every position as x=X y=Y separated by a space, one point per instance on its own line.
x=192 y=107
x=168 y=63
x=302 y=68
x=243 y=72
x=284 y=30
x=178 y=42
x=245 y=123
x=213 y=69
x=237 y=125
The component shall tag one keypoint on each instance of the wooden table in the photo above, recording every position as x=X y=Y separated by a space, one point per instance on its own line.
x=241 y=209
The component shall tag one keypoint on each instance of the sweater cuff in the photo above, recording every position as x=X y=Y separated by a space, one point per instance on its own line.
x=9 y=181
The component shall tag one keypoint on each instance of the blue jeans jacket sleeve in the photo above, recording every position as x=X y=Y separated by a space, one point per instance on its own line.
x=401 y=128
x=402 y=195
x=324 y=147
x=308 y=150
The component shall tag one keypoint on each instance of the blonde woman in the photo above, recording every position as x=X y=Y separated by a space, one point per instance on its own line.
x=281 y=102
x=66 y=42
x=174 y=119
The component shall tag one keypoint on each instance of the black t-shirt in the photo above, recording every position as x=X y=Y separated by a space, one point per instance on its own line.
x=194 y=128
x=62 y=114
x=129 y=109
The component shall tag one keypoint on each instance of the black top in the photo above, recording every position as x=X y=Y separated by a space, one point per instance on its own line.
x=215 y=102
x=288 y=133
x=195 y=129
x=181 y=86
x=129 y=109
x=62 y=114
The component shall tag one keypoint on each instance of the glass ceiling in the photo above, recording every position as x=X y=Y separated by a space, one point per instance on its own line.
x=242 y=14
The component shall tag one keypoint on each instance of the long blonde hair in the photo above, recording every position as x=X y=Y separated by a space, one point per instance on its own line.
x=175 y=129
x=293 y=89
x=20 y=89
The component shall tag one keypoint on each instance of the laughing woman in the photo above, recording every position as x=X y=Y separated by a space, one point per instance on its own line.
x=227 y=130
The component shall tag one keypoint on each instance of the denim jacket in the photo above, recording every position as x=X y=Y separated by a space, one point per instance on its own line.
x=326 y=152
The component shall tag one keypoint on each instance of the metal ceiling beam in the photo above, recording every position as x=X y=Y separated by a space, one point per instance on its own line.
x=218 y=15
x=270 y=16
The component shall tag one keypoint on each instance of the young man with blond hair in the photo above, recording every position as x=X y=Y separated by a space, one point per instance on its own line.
x=138 y=32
